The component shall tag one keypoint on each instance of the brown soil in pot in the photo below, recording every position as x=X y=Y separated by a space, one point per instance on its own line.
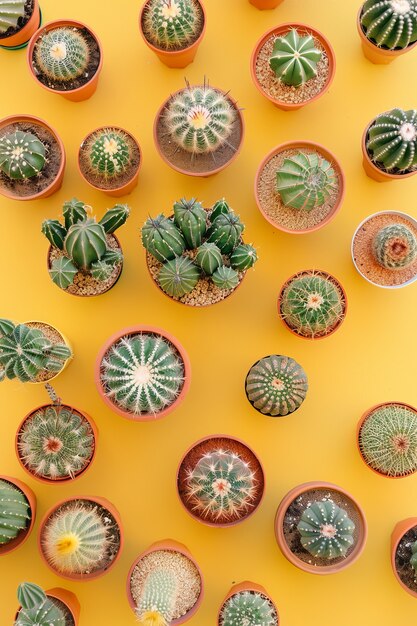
x=177 y=47
x=403 y=554
x=21 y=22
x=55 y=338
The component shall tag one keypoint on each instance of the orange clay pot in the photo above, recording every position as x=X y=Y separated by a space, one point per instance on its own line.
x=397 y=534
x=66 y=597
x=81 y=93
x=279 y=534
x=55 y=185
x=281 y=30
x=311 y=145
x=104 y=503
x=67 y=343
x=372 y=170
x=24 y=534
x=247 y=586
x=265 y=4
x=175 y=58
x=21 y=38
x=375 y=54
x=131 y=330
x=174 y=546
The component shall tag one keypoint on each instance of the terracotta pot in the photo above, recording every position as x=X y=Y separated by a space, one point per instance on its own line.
x=279 y=534
x=21 y=38
x=174 y=546
x=265 y=4
x=397 y=534
x=136 y=330
x=247 y=586
x=81 y=93
x=175 y=58
x=56 y=481
x=374 y=53
x=24 y=534
x=55 y=184
x=278 y=31
x=102 y=502
x=372 y=170
x=66 y=597
x=67 y=343
x=310 y=145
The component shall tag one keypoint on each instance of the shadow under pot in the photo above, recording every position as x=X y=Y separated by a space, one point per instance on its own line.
x=320 y=528
x=199 y=130
x=142 y=373
x=32 y=158
x=220 y=481
x=17 y=513
x=46 y=608
x=165 y=583
x=65 y=57
x=18 y=21
x=81 y=538
x=265 y=4
x=248 y=603
x=404 y=554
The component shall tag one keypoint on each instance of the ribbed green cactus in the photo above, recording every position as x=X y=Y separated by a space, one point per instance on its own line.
x=142 y=373
x=326 y=530
x=22 y=155
x=114 y=218
x=305 y=181
x=172 y=24
x=36 y=608
x=108 y=153
x=62 y=54
x=294 y=58
x=248 y=608
x=55 y=233
x=74 y=211
x=226 y=231
x=243 y=257
x=30 y=595
x=63 y=272
x=219 y=207
x=15 y=513
x=162 y=238
x=390 y=24
x=395 y=247
x=209 y=258
x=157 y=601
x=225 y=277
x=276 y=385
x=392 y=141
x=112 y=256
x=413 y=560
x=191 y=219
x=85 y=243
x=10 y=13
x=178 y=276
x=100 y=270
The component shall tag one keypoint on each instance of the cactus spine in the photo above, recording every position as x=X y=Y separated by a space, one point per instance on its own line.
x=172 y=24
x=326 y=530
x=392 y=141
x=22 y=155
x=36 y=608
x=62 y=54
x=395 y=247
x=162 y=238
x=390 y=24
x=15 y=513
x=190 y=218
x=10 y=13
x=225 y=277
x=306 y=181
x=178 y=276
x=248 y=608
x=157 y=602
x=209 y=258
x=294 y=58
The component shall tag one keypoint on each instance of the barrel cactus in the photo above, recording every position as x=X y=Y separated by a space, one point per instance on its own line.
x=219 y=207
x=55 y=232
x=101 y=271
x=226 y=231
x=36 y=608
x=225 y=277
x=250 y=608
x=392 y=141
x=243 y=257
x=157 y=601
x=63 y=272
x=162 y=238
x=62 y=54
x=74 y=211
x=15 y=512
x=305 y=181
x=395 y=247
x=22 y=155
x=209 y=258
x=114 y=218
x=107 y=154
x=191 y=219
x=413 y=560
x=11 y=11
x=85 y=243
x=390 y=24
x=326 y=530
x=172 y=24
x=294 y=58
x=178 y=276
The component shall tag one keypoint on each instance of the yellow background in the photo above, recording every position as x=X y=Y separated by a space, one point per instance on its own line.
x=371 y=359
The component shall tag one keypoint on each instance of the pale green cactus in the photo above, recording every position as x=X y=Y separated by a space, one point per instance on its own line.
x=62 y=54
x=248 y=608
x=100 y=270
x=294 y=58
x=63 y=272
x=392 y=141
x=157 y=601
x=162 y=238
x=178 y=276
x=11 y=11
x=15 y=512
x=36 y=608
x=225 y=277
x=306 y=181
x=172 y=24
x=22 y=155
x=209 y=258
x=390 y=24
x=326 y=530
x=395 y=247
x=191 y=219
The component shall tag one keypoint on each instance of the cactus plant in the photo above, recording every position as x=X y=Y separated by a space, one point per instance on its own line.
x=85 y=243
x=219 y=207
x=248 y=608
x=294 y=58
x=162 y=238
x=172 y=24
x=392 y=141
x=11 y=11
x=114 y=218
x=100 y=270
x=395 y=247
x=413 y=560
x=55 y=233
x=63 y=272
x=15 y=513
x=390 y=24
x=191 y=219
x=226 y=231
x=36 y=608
x=74 y=211
x=22 y=155
x=305 y=181
x=243 y=257
x=326 y=530
x=178 y=276
x=276 y=385
x=158 y=598
x=225 y=277
x=142 y=373
x=108 y=153
x=209 y=258
x=62 y=54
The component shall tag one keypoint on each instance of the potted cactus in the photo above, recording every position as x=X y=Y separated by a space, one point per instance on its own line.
x=404 y=554
x=19 y=19
x=293 y=65
x=220 y=481
x=32 y=158
x=165 y=585
x=85 y=257
x=384 y=249
x=197 y=256
x=248 y=603
x=142 y=373
x=276 y=385
x=173 y=29
x=65 y=57
x=387 y=439
x=387 y=28
x=199 y=130
x=81 y=538
x=312 y=304
x=54 y=607
x=320 y=528
x=17 y=513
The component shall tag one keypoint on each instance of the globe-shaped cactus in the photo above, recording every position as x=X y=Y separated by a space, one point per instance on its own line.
x=37 y=609
x=62 y=54
x=326 y=530
x=108 y=153
x=306 y=181
x=22 y=155
x=248 y=608
x=178 y=276
x=162 y=238
x=15 y=513
x=226 y=231
x=243 y=257
x=191 y=219
x=172 y=24
x=209 y=258
x=395 y=247
x=225 y=277
x=158 y=598
x=392 y=141
x=10 y=13
x=390 y=24
x=294 y=58
x=85 y=243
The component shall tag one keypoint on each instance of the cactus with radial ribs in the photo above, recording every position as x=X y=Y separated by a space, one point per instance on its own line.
x=294 y=58
x=208 y=258
x=172 y=24
x=62 y=54
x=22 y=155
x=191 y=219
x=107 y=154
x=11 y=11
x=395 y=247
x=15 y=513
x=276 y=385
x=250 y=608
x=178 y=277
x=36 y=608
x=305 y=181
x=157 y=601
x=392 y=141
x=142 y=373
x=390 y=24
x=225 y=278
x=326 y=530
x=388 y=440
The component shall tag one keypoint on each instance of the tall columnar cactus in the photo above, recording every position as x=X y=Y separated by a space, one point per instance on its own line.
x=326 y=530
x=36 y=608
x=178 y=276
x=22 y=155
x=162 y=238
x=392 y=141
x=276 y=385
x=243 y=257
x=10 y=13
x=170 y=24
x=200 y=119
x=395 y=247
x=15 y=513
x=157 y=601
x=209 y=258
x=413 y=560
x=390 y=24
x=108 y=153
x=191 y=219
x=62 y=54
x=294 y=58
x=248 y=608
x=388 y=440
x=142 y=373
x=226 y=231
x=225 y=277
x=306 y=181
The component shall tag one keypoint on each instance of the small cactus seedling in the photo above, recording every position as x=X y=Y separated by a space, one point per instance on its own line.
x=225 y=277
x=15 y=513
x=326 y=530
x=395 y=247
x=390 y=24
x=248 y=608
x=107 y=154
x=209 y=258
x=10 y=13
x=392 y=141
x=172 y=24
x=294 y=58
x=158 y=598
x=178 y=276
x=162 y=238
x=62 y=54
x=413 y=560
x=22 y=155
x=306 y=181
x=36 y=608
x=191 y=219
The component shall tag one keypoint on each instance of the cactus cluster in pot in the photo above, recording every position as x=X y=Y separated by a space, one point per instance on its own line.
x=391 y=141
x=249 y=608
x=294 y=58
x=11 y=11
x=172 y=24
x=15 y=512
x=390 y=24
x=326 y=530
x=306 y=181
x=23 y=156
x=157 y=601
x=36 y=608
x=62 y=54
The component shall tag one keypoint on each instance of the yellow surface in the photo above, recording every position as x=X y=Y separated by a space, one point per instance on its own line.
x=369 y=360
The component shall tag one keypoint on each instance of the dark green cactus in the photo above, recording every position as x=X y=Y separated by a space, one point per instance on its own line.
x=63 y=272
x=74 y=211
x=162 y=238
x=392 y=141
x=390 y=24
x=114 y=218
x=22 y=155
x=62 y=54
x=226 y=232
x=11 y=11
x=219 y=207
x=178 y=276
x=86 y=243
x=306 y=181
x=108 y=153
x=55 y=233
x=294 y=58
x=395 y=247
x=36 y=608
x=15 y=513
x=172 y=24
x=243 y=257
x=225 y=278
x=209 y=258
x=326 y=530
x=191 y=219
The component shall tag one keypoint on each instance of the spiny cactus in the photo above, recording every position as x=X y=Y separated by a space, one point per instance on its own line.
x=226 y=231
x=74 y=211
x=22 y=155
x=114 y=218
x=36 y=608
x=162 y=238
x=413 y=560
x=55 y=233
x=305 y=181
x=199 y=119
x=209 y=258
x=388 y=440
x=390 y=24
x=100 y=270
x=225 y=277
x=63 y=272
x=243 y=257
x=219 y=207
x=172 y=24
x=392 y=141
x=395 y=247
x=10 y=13
x=248 y=608
x=178 y=276
x=108 y=153
x=15 y=513
x=85 y=243
x=62 y=54
x=191 y=219
x=142 y=373
x=294 y=58
x=326 y=530
x=157 y=601
x=276 y=385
